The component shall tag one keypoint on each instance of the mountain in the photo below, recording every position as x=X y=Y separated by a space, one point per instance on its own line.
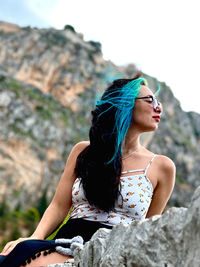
x=49 y=82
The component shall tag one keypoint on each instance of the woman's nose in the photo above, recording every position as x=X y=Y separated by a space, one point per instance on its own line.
x=158 y=109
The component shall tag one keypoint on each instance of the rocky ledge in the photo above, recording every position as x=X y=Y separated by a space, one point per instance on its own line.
x=170 y=240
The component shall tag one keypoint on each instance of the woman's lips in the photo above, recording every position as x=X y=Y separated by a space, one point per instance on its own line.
x=157 y=118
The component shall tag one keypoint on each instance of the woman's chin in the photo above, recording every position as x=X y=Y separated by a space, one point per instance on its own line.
x=148 y=127
x=152 y=128
x=155 y=127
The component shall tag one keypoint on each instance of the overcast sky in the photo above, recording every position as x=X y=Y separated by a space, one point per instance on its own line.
x=160 y=36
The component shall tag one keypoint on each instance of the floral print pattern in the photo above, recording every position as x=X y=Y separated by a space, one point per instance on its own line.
x=133 y=204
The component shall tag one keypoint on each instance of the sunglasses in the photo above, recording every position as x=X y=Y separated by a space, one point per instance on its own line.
x=152 y=100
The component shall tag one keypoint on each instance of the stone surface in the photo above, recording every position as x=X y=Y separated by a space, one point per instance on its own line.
x=34 y=129
x=68 y=263
x=8 y=27
x=170 y=240
x=59 y=62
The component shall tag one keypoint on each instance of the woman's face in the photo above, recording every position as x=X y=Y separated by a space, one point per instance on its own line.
x=145 y=117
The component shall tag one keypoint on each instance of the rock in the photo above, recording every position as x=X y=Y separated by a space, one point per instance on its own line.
x=68 y=263
x=4 y=99
x=170 y=240
x=59 y=62
x=8 y=27
x=36 y=134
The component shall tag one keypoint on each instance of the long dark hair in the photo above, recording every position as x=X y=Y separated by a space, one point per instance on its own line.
x=99 y=165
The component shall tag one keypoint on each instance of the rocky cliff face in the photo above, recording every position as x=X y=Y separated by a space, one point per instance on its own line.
x=36 y=135
x=56 y=62
x=48 y=84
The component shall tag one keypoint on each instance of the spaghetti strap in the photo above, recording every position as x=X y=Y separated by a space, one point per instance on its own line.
x=141 y=170
x=146 y=169
x=138 y=170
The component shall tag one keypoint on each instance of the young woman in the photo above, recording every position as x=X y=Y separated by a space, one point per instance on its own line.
x=112 y=178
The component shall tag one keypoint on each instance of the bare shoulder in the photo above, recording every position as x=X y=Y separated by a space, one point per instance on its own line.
x=76 y=150
x=166 y=167
x=80 y=146
x=69 y=170
x=165 y=173
x=165 y=162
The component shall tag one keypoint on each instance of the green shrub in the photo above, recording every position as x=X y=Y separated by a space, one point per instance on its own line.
x=13 y=223
x=69 y=27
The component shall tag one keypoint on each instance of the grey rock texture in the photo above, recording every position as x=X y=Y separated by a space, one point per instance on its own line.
x=170 y=240
x=36 y=136
x=59 y=62
x=68 y=263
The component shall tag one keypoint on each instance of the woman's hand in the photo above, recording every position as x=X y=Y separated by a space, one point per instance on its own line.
x=12 y=244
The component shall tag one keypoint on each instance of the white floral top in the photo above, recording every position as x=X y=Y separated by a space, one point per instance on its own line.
x=136 y=190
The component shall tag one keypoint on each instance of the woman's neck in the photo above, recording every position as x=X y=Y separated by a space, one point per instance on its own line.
x=131 y=142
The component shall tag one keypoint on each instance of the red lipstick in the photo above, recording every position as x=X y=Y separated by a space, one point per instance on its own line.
x=157 y=118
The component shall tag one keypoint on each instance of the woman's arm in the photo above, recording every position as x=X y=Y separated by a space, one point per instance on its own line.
x=62 y=200
x=166 y=180
x=60 y=204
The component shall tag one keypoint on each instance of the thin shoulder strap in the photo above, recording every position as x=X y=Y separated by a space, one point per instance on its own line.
x=146 y=169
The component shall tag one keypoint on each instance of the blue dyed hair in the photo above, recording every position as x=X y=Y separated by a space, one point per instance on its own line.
x=122 y=99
